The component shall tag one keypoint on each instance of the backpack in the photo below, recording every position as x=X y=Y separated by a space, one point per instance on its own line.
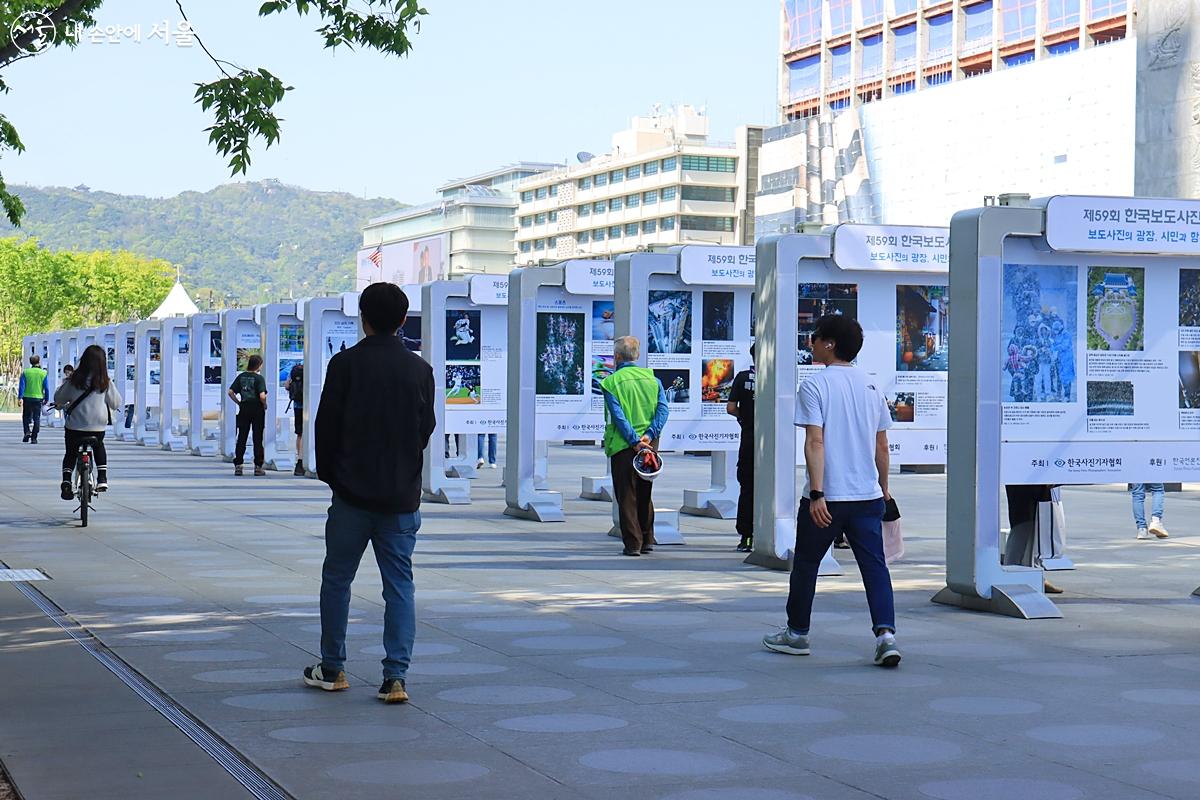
x=296 y=387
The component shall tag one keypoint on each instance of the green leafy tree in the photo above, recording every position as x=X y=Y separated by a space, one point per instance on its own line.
x=243 y=100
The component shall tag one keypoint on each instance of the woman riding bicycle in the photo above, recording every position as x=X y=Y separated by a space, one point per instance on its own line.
x=88 y=398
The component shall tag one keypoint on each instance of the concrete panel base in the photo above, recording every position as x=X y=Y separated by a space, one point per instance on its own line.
x=1012 y=600
x=597 y=489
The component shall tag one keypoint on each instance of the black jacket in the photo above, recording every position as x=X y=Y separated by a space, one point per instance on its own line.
x=373 y=423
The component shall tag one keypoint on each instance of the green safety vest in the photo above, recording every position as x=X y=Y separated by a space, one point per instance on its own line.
x=636 y=389
x=35 y=380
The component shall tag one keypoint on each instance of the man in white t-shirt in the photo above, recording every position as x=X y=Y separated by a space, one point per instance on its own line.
x=845 y=420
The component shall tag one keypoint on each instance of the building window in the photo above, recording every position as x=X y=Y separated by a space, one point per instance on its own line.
x=1062 y=48
x=1017 y=59
x=668 y=164
x=616 y=203
x=904 y=87
x=871 y=60
x=669 y=192
x=633 y=172
x=938 y=78
x=540 y=193
x=552 y=216
x=941 y=36
x=839 y=65
x=649 y=226
x=905 y=44
x=582 y=237
x=710 y=163
x=650 y=197
x=1061 y=15
x=539 y=244
x=841 y=16
x=977 y=34
x=600 y=206
x=584 y=210
x=614 y=232
x=693 y=223
x=585 y=183
x=667 y=223
x=616 y=176
x=1018 y=20
x=710 y=194
x=539 y=219
x=631 y=229
x=526 y=197
x=905 y=6
x=598 y=235
x=602 y=179
x=1103 y=9
x=552 y=242
x=554 y=190
x=526 y=247
x=804 y=78
x=633 y=201
x=526 y=221
x=872 y=11
x=650 y=168
x=839 y=104
x=803 y=21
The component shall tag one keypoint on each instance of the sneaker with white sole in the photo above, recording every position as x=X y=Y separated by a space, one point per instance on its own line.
x=787 y=642
x=316 y=677
x=393 y=691
x=479 y=464
x=887 y=654
x=1156 y=527
x=1142 y=533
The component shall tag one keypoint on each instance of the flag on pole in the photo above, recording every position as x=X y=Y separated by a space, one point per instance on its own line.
x=376 y=257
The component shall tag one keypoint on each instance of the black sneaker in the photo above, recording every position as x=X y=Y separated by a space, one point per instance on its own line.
x=392 y=691
x=66 y=493
x=841 y=543
x=237 y=470
x=647 y=548
x=299 y=470
x=745 y=544
x=259 y=472
x=25 y=439
x=315 y=677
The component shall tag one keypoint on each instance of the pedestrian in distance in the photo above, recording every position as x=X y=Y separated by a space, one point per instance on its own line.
x=635 y=411
x=87 y=399
x=294 y=385
x=373 y=424
x=1157 y=502
x=249 y=391
x=34 y=391
x=845 y=420
x=491 y=450
x=741 y=406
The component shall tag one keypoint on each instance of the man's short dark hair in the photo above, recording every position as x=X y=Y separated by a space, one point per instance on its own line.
x=845 y=333
x=383 y=306
x=254 y=362
x=34 y=360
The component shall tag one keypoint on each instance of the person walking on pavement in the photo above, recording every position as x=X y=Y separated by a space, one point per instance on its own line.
x=491 y=450
x=1157 y=501
x=635 y=411
x=373 y=424
x=294 y=385
x=741 y=406
x=34 y=390
x=845 y=419
x=249 y=391
x=87 y=399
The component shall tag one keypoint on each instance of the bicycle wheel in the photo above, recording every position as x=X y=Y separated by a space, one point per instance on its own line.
x=85 y=493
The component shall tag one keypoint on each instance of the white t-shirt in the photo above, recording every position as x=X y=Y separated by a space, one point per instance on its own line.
x=845 y=402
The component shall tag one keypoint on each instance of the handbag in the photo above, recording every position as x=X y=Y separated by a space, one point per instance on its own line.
x=893 y=537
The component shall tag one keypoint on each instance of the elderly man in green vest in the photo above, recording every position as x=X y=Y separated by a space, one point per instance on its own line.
x=635 y=411
x=34 y=390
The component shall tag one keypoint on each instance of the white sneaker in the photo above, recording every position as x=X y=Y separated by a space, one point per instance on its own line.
x=1156 y=527
x=1143 y=533
x=479 y=464
x=492 y=465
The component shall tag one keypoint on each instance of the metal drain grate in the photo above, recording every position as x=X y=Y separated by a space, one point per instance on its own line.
x=14 y=575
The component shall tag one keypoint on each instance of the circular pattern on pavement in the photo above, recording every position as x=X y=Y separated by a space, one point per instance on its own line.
x=345 y=734
x=631 y=663
x=1177 y=769
x=1094 y=735
x=518 y=625
x=666 y=619
x=353 y=629
x=985 y=706
x=877 y=676
x=568 y=642
x=275 y=701
x=408 y=772
x=472 y=608
x=999 y=789
x=781 y=714
x=214 y=655
x=419 y=649
x=648 y=761
x=689 y=685
x=282 y=599
x=505 y=695
x=455 y=668
x=140 y=601
x=1119 y=644
x=1164 y=697
x=890 y=749
x=1189 y=663
x=740 y=792
x=179 y=635
x=232 y=573
x=729 y=637
x=562 y=723
x=1059 y=669
x=248 y=676
x=968 y=649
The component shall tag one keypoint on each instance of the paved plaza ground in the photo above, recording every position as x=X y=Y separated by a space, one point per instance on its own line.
x=548 y=666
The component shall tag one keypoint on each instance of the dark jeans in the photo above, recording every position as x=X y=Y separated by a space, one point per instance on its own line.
x=635 y=506
x=72 y=440
x=1023 y=502
x=247 y=421
x=393 y=536
x=31 y=416
x=862 y=522
x=745 y=507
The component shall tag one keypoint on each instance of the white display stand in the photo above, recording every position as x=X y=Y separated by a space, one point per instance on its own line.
x=52 y=361
x=875 y=274
x=173 y=415
x=148 y=348
x=1107 y=397
x=464 y=337
x=206 y=384
x=282 y=328
x=106 y=337
x=125 y=374
x=241 y=337
x=560 y=330
x=331 y=325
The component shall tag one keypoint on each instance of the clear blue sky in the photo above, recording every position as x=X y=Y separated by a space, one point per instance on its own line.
x=489 y=82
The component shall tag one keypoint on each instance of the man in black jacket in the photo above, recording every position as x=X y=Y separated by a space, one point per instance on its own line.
x=373 y=423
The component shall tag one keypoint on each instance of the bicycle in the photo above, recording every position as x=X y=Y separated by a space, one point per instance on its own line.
x=84 y=479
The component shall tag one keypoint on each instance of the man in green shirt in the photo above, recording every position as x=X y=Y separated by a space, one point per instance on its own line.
x=249 y=391
x=34 y=390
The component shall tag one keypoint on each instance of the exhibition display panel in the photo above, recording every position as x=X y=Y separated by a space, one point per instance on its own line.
x=52 y=361
x=1084 y=372
x=241 y=338
x=282 y=328
x=174 y=418
x=330 y=326
x=126 y=376
x=205 y=384
x=561 y=325
x=146 y=394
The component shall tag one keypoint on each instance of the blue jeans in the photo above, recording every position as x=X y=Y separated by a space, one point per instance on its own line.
x=1138 y=490
x=491 y=447
x=862 y=522
x=347 y=531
